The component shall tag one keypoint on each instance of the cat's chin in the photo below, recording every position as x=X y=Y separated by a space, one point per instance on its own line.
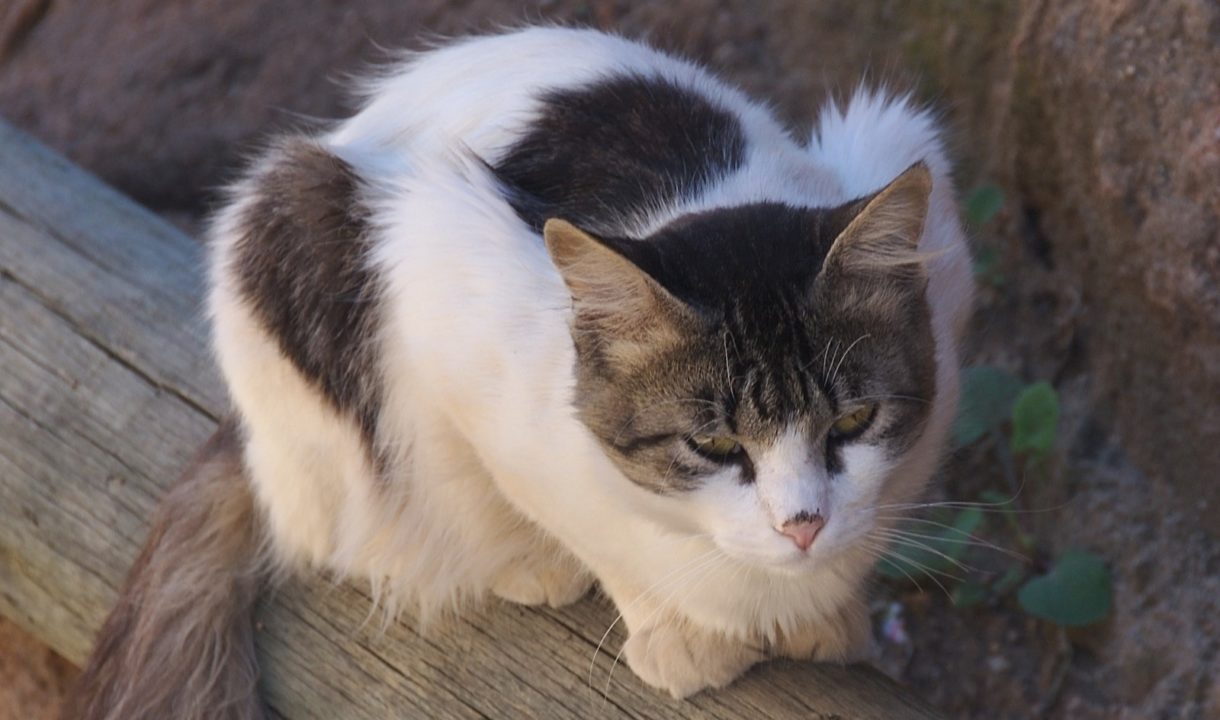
x=795 y=568
x=793 y=565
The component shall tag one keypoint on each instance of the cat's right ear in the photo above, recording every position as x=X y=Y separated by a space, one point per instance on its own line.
x=883 y=236
x=874 y=269
x=612 y=297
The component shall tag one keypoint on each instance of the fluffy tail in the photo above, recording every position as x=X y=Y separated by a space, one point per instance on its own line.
x=180 y=642
x=875 y=136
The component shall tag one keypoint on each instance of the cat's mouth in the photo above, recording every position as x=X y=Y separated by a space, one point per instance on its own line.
x=789 y=561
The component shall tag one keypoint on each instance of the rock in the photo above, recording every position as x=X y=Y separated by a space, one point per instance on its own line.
x=160 y=98
x=1115 y=153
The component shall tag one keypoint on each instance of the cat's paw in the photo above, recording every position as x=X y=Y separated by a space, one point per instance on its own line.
x=556 y=584
x=847 y=636
x=683 y=660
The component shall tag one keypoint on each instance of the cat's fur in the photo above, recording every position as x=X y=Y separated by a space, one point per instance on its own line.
x=180 y=641
x=469 y=331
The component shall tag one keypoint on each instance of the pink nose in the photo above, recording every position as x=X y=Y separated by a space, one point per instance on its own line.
x=803 y=529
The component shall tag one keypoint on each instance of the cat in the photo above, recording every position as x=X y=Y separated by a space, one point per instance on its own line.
x=552 y=309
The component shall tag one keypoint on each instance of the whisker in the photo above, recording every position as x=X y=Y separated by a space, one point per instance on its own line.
x=955 y=503
x=676 y=457
x=963 y=505
x=681 y=570
x=728 y=366
x=834 y=374
x=965 y=539
x=659 y=403
x=827 y=354
x=937 y=504
x=891 y=554
x=917 y=545
x=912 y=398
x=985 y=506
x=705 y=571
x=879 y=554
x=701 y=571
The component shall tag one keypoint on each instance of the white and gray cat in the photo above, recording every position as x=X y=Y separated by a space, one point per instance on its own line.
x=555 y=308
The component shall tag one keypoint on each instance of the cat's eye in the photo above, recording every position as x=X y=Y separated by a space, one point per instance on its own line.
x=852 y=424
x=714 y=447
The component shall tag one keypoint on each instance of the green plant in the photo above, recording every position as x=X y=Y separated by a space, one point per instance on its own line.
x=1035 y=421
x=940 y=549
x=986 y=401
x=982 y=205
x=1075 y=592
x=1021 y=423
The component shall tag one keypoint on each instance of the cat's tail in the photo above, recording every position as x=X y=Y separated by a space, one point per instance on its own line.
x=180 y=642
x=874 y=136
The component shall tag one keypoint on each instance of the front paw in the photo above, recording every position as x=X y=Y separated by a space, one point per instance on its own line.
x=845 y=636
x=555 y=584
x=685 y=660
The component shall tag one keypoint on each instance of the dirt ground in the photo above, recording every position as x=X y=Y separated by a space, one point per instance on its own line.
x=1157 y=655
x=35 y=678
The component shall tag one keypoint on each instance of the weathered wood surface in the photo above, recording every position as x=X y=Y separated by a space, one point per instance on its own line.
x=106 y=388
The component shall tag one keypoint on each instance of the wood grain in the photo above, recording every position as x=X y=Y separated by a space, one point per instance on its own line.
x=107 y=387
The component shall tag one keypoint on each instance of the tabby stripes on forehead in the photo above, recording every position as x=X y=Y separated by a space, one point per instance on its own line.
x=599 y=153
x=301 y=261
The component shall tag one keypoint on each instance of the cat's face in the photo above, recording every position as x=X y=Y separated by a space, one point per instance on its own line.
x=764 y=368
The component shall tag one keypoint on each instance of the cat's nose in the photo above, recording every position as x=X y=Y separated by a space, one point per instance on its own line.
x=803 y=528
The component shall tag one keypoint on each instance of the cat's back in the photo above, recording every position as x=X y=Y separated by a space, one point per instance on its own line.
x=482 y=92
x=595 y=128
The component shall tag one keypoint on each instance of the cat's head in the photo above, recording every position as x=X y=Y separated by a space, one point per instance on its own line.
x=764 y=368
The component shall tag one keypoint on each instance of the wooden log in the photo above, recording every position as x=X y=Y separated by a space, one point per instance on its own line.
x=107 y=387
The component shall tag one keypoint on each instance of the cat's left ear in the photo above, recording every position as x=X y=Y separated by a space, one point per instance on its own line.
x=618 y=306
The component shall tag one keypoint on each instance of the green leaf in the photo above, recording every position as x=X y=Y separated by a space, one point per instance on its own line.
x=985 y=259
x=1075 y=592
x=983 y=204
x=969 y=594
x=1009 y=580
x=966 y=523
x=997 y=498
x=941 y=549
x=987 y=266
x=987 y=398
x=999 y=502
x=1035 y=420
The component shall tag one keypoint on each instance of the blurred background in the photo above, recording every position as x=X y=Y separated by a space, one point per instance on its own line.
x=1087 y=139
